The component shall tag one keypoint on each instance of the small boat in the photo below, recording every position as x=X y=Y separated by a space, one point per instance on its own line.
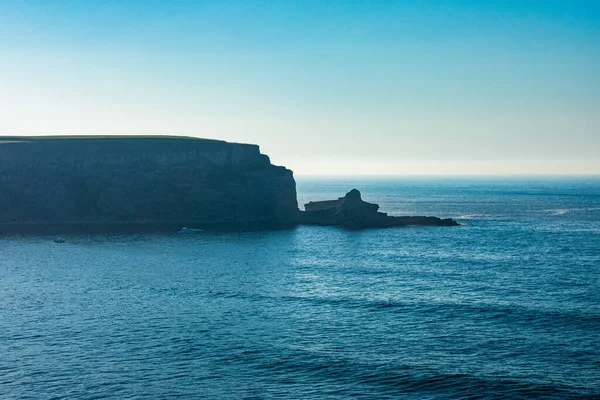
x=188 y=231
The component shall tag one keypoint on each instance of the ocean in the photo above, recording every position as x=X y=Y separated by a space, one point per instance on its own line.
x=505 y=306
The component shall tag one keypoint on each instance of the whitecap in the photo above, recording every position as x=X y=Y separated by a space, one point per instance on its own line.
x=561 y=211
x=473 y=216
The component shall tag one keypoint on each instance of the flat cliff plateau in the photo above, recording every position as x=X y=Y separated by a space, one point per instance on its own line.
x=90 y=182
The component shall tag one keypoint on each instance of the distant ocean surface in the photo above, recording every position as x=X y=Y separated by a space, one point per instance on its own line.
x=505 y=306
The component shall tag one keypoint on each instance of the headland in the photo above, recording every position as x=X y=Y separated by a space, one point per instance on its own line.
x=73 y=183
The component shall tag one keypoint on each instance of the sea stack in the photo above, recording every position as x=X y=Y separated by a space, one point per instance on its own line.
x=352 y=212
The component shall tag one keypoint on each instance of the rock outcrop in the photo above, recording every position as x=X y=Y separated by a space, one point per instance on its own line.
x=144 y=181
x=131 y=183
x=351 y=211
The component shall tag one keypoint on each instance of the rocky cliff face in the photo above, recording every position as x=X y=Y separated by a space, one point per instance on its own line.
x=145 y=180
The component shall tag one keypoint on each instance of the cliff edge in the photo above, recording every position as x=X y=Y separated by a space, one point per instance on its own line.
x=116 y=180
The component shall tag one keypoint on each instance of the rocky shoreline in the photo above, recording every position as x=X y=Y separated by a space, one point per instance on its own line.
x=125 y=183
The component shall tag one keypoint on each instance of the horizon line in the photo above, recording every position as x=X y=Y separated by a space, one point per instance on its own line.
x=507 y=175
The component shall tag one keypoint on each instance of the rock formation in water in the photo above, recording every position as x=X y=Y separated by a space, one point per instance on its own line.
x=117 y=182
x=351 y=211
x=93 y=181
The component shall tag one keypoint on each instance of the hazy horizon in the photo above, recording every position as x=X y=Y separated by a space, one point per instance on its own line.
x=360 y=88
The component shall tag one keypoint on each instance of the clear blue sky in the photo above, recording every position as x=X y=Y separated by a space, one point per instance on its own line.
x=325 y=87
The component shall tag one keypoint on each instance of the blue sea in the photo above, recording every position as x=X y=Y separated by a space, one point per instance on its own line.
x=505 y=306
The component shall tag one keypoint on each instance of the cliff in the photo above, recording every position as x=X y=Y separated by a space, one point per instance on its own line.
x=352 y=212
x=95 y=181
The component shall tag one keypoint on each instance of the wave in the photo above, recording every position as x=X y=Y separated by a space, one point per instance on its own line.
x=559 y=211
x=512 y=314
x=357 y=378
x=562 y=211
x=473 y=216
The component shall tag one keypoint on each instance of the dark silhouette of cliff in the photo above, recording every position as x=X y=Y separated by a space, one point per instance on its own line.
x=115 y=181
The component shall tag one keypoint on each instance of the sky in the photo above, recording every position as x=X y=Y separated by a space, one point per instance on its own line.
x=324 y=87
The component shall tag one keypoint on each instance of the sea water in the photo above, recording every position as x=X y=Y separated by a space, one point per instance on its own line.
x=507 y=305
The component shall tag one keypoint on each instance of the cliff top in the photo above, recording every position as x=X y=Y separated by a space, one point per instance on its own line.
x=69 y=138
